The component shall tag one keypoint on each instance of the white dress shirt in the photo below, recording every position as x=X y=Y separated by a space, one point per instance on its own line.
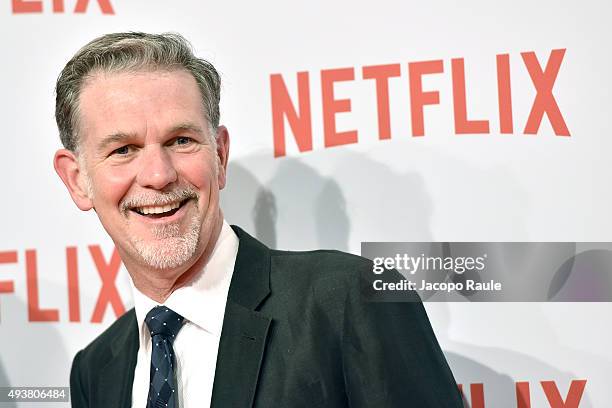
x=202 y=304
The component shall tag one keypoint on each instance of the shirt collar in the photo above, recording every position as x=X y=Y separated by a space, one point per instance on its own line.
x=202 y=300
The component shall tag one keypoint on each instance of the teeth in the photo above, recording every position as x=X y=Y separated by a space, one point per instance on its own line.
x=160 y=209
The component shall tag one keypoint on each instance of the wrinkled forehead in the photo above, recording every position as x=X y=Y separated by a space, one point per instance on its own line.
x=127 y=101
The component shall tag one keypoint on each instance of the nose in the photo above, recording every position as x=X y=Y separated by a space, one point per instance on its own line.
x=156 y=168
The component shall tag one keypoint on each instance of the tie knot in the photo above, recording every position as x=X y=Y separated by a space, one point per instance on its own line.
x=164 y=322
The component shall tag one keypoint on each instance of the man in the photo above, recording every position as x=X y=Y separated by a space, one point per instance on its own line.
x=219 y=318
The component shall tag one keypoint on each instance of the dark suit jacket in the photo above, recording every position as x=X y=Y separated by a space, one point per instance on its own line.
x=296 y=333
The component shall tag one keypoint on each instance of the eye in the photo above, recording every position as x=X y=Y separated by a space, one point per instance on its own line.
x=123 y=150
x=182 y=140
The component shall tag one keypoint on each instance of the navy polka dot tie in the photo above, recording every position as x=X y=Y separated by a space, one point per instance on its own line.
x=164 y=324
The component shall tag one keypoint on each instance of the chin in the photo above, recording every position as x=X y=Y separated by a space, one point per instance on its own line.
x=168 y=253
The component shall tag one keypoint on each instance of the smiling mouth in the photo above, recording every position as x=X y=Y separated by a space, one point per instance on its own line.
x=159 y=211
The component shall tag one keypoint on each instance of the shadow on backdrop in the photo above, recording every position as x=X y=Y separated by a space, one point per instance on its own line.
x=294 y=206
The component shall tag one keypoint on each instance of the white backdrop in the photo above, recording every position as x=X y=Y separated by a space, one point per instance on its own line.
x=442 y=186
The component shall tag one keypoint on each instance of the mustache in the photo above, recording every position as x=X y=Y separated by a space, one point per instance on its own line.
x=158 y=199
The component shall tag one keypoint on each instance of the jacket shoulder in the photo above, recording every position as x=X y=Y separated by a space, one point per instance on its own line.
x=321 y=262
x=326 y=276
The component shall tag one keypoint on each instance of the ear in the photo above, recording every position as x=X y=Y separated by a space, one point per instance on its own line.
x=67 y=167
x=223 y=143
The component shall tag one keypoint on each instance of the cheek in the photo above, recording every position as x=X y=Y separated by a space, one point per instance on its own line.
x=198 y=171
x=111 y=185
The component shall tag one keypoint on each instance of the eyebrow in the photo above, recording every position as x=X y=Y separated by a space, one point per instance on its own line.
x=187 y=126
x=121 y=136
x=114 y=138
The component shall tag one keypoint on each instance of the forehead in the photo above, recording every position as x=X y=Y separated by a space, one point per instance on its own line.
x=138 y=102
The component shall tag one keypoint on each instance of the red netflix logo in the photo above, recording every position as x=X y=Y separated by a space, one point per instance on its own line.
x=299 y=117
x=523 y=394
x=107 y=296
x=36 y=6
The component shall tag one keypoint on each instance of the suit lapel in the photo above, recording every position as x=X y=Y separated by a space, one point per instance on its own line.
x=117 y=376
x=241 y=351
x=245 y=330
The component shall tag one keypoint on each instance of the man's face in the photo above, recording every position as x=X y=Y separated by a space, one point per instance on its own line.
x=153 y=171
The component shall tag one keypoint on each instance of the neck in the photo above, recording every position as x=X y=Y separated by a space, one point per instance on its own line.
x=158 y=284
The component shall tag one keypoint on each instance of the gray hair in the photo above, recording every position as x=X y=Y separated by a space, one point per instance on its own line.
x=132 y=51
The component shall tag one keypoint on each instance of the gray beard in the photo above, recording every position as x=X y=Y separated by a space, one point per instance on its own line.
x=171 y=248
